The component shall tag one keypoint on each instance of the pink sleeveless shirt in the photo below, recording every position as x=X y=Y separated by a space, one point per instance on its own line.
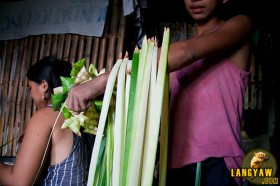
x=205 y=113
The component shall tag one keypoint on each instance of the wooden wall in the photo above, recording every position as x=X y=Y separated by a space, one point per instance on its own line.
x=16 y=56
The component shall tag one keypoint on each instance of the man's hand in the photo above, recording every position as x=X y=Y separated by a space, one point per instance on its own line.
x=79 y=96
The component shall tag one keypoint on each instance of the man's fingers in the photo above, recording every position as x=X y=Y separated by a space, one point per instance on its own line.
x=76 y=113
x=77 y=105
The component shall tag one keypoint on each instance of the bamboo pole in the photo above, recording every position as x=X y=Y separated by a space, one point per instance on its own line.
x=102 y=50
x=2 y=64
x=35 y=57
x=87 y=50
x=73 y=49
x=61 y=38
x=80 y=48
x=19 y=97
x=113 y=35
x=54 y=45
x=13 y=92
x=2 y=117
x=35 y=50
x=42 y=46
x=6 y=95
x=121 y=33
x=24 y=104
x=67 y=47
x=28 y=102
x=95 y=51
x=48 y=45
x=23 y=88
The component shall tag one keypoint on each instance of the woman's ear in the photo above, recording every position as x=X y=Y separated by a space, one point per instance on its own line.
x=44 y=86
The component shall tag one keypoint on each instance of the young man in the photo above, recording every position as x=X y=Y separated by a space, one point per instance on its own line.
x=209 y=81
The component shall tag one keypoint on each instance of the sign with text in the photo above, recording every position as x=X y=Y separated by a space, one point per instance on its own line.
x=36 y=17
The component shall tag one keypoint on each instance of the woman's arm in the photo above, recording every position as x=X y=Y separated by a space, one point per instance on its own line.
x=231 y=34
x=31 y=151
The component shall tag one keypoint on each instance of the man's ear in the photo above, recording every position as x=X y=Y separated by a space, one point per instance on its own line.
x=44 y=86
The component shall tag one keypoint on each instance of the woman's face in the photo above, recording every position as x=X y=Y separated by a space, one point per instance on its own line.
x=37 y=92
x=201 y=10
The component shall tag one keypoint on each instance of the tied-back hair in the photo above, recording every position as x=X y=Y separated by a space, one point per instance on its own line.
x=49 y=69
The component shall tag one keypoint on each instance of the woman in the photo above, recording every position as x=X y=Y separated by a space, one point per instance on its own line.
x=67 y=159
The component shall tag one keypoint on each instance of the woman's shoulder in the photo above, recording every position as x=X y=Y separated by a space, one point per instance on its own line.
x=45 y=112
x=44 y=116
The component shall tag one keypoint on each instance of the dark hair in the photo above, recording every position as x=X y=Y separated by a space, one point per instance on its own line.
x=236 y=7
x=49 y=69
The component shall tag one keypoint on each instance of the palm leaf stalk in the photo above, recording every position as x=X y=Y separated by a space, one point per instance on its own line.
x=130 y=124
